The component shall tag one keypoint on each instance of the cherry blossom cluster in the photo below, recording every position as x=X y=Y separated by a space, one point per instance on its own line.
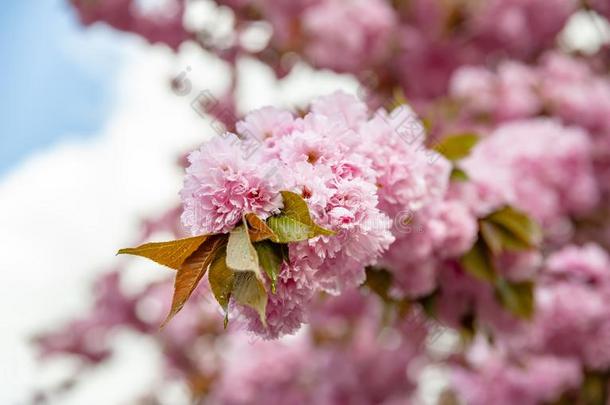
x=356 y=172
x=341 y=360
x=564 y=346
x=568 y=88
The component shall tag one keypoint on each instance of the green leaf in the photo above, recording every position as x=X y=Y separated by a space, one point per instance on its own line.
x=241 y=255
x=249 y=291
x=296 y=208
x=318 y=230
x=518 y=298
x=270 y=257
x=458 y=174
x=289 y=230
x=191 y=271
x=242 y=258
x=499 y=239
x=221 y=280
x=294 y=224
x=518 y=224
x=478 y=263
x=490 y=234
x=258 y=229
x=171 y=254
x=458 y=146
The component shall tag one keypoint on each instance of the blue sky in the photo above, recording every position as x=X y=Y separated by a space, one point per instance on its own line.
x=55 y=75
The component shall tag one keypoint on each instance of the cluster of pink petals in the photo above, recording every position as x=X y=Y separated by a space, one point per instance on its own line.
x=287 y=308
x=356 y=172
x=549 y=355
x=342 y=359
x=285 y=18
x=493 y=376
x=349 y=36
x=509 y=93
x=221 y=185
x=572 y=316
x=462 y=298
x=575 y=92
x=410 y=176
x=444 y=230
x=164 y=25
x=404 y=42
x=537 y=165
x=522 y=26
x=435 y=37
x=564 y=86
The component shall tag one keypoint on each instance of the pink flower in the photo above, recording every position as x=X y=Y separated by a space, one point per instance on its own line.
x=588 y=264
x=492 y=376
x=575 y=93
x=266 y=372
x=561 y=327
x=521 y=26
x=221 y=185
x=571 y=315
x=284 y=16
x=266 y=124
x=440 y=231
x=341 y=106
x=348 y=36
x=338 y=184
x=343 y=359
x=352 y=171
x=408 y=174
x=364 y=232
x=537 y=165
x=510 y=93
x=453 y=228
x=286 y=308
x=310 y=147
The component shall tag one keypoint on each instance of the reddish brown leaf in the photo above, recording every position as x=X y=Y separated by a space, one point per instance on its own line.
x=171 y=254
x=192 y=270
x=258 y=229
